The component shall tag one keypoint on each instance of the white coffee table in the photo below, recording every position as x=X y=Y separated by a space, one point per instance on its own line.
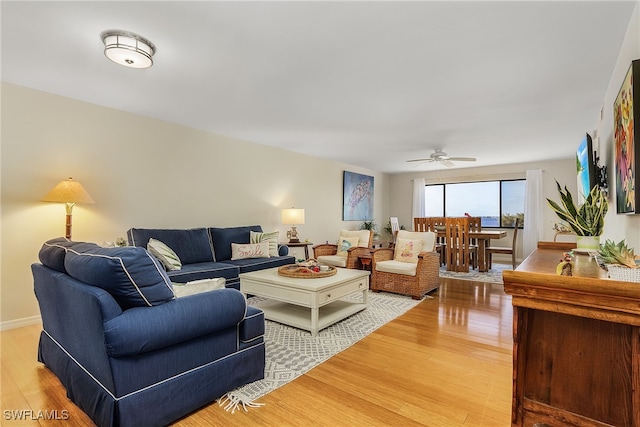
x=309 y=304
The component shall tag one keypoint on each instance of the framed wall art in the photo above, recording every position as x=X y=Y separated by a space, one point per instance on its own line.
x=626 y=120
x=357 y=194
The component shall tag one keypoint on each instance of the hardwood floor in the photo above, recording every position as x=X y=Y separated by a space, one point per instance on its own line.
x=447 y=362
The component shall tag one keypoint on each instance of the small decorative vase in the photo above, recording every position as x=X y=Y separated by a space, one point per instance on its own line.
x=589 y=242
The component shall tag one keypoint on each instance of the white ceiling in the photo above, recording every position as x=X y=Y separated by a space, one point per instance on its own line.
x=368 y=83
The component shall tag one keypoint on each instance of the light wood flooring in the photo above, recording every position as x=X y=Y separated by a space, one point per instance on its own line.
x=446 y=362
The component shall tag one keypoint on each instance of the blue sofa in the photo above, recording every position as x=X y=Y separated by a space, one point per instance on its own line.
x=127 y=351
x=205 y=253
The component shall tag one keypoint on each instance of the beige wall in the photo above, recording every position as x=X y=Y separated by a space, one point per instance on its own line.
x=144 y=173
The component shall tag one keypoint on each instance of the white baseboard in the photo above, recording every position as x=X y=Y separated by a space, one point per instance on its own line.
x=19 y=323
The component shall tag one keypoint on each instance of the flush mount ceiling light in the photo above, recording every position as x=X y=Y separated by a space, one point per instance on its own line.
x=128 y=49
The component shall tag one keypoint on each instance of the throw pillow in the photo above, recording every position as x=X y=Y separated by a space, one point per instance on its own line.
x=249 y=250
x=272 y=238
x=407 y=250
x=198 y=286
x=346 y=243
x=165 y=254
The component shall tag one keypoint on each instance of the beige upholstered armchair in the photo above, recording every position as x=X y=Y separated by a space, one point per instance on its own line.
x=351 y=245
x=411 y=268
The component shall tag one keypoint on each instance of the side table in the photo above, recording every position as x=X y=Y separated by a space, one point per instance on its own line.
x=304 y=245
x=365 y=262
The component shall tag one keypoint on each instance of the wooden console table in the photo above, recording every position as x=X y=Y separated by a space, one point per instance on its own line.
x=576 y=343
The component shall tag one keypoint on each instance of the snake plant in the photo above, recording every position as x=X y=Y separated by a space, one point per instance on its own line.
x=586 y=220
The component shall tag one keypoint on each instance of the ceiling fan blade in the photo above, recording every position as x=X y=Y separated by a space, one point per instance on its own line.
x=420 y=160
x=448 y=163
x=463 y=159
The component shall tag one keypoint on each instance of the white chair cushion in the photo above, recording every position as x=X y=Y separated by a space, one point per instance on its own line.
x=397 y=267
x=428 y=238
x=362 y=235
x=334 y=260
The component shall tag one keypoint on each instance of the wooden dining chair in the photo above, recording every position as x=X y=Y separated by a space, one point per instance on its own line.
x=475 y=224
x=504 y=250
x=433 y=224
x=458 y=244
x=395 y=227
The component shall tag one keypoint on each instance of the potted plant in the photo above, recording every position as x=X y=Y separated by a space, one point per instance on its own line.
x=620 y=261
x=388 y=229
x=370 y=225
x=587 y=220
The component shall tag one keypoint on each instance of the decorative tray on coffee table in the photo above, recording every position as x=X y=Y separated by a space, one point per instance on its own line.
x=309 y=269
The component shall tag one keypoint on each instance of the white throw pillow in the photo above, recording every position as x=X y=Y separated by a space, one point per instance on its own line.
x=346 y=243
x=272 y=238
x=407 y=250
x=249 y=250
x=198 y=286
x=165 y=254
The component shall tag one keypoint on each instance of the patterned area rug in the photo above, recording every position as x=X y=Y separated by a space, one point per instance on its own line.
x=494 y=275
x=290 y=352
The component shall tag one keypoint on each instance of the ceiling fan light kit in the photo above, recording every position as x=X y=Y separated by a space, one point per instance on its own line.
x=440 y=156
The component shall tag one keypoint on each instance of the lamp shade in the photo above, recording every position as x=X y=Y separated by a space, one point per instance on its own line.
x=68 y=191
x=293 y=216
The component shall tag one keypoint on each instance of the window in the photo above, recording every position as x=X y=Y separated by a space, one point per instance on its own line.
x=498 y=203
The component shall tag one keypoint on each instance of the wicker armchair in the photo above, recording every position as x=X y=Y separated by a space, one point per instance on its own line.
x=413 y=279
x=326 y=253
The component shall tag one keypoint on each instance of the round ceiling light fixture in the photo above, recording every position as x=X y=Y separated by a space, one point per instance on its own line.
x=128 y=49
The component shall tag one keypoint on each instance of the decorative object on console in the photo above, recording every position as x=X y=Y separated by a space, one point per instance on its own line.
x=128 y=49
x=586 y=220
x=626 y=119
x=68 y=192
x=293 y=217
x=620 y=261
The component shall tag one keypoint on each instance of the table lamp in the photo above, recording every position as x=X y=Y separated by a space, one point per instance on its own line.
x=293 y=217
x=68 y=192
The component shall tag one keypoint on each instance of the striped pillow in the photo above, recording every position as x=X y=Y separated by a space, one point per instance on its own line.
x=165 y=254
x=271 y=237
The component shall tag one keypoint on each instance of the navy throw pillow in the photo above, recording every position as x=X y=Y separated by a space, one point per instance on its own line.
x=130 y=274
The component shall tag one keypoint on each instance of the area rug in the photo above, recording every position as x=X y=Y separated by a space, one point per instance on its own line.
x=494 y=275
x=290 y=352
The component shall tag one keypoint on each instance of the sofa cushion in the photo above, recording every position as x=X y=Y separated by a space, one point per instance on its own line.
x=191 y=245
x=132 y=275
x=142 y=330
x=249 y=250
x=335 y=260
x=165 y=254
x=254 y=264
x=204 y=270
x=53 y=252
x=271 y=237
x=397 y=267
x=222 y=238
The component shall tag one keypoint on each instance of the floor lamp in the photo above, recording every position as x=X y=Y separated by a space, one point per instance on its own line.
x=68 y=192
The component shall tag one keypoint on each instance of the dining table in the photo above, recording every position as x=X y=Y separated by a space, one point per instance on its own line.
x=483 y=237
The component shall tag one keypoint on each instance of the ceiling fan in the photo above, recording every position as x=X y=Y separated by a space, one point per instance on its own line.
x=440 y=156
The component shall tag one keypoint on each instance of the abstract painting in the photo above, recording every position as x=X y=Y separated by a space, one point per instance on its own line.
x=357 y=202
x=627 y=147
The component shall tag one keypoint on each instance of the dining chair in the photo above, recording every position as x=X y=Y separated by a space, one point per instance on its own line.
x=504 y=250
x=458 y=251
x=475 y=224
x=395 y=227
x=434 y=224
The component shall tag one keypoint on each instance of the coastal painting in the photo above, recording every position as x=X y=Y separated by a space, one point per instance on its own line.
x=357 y=192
